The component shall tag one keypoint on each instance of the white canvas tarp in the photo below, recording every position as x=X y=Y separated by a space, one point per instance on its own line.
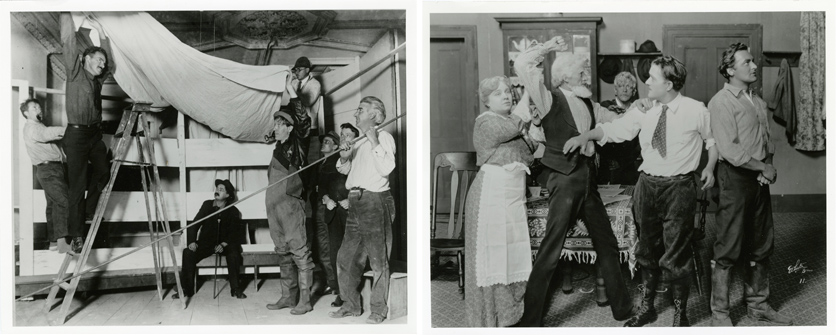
x=152 y=65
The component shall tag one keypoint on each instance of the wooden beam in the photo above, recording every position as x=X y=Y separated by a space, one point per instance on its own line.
x=48 y=262
x=24 y=187
x=227 y=153
x=337 y=44
x=130 y=207
x=96 y=280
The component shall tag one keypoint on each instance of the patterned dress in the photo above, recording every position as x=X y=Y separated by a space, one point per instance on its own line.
x=498 y=141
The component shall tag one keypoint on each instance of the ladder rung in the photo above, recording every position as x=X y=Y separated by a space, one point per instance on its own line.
x=132 y=162
x=66 y=286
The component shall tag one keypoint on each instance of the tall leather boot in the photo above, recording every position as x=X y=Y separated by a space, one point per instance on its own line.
x=647 y=289
x=681 y=288
x=720 y=296
x=289 y=284
x=305 y=282
x=757 y=294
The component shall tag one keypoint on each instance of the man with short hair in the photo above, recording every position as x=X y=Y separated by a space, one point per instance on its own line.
x=671 y=133
x=221 y=234
x=330 y=215
x=371 y=211
x=86 y=71
x=286 y=218
x=42 y=145
x=570 y=179
x=619 y=162
x=740 y=123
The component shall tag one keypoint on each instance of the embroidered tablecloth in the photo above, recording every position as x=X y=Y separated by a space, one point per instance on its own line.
x=578 y=244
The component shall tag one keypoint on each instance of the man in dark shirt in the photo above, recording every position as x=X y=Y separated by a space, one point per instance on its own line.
x=86 y=71
x=332 y=207
x=223 y=234
x=286 y=217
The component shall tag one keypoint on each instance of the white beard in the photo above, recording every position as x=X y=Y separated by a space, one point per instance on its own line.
x=581 y=91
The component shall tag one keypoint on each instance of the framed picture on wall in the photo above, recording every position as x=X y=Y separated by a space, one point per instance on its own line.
x=580 y=34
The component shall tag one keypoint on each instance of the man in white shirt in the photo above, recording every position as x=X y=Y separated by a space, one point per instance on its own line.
x=371 y=210
x=41 y=144
x=671 y=133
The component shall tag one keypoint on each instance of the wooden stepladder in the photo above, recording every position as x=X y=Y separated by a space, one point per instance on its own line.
x=119 y=145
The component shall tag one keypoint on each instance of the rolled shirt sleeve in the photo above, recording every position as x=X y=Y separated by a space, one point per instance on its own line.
x=622 y=129
x=532 y=77
x=705 y=129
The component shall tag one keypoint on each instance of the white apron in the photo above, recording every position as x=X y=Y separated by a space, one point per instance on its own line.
x=503 y=248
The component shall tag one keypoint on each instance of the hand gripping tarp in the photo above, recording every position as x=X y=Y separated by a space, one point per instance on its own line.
x=152 y=65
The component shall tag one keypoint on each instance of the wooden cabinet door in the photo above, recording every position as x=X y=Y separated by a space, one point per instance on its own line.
x=580 y=33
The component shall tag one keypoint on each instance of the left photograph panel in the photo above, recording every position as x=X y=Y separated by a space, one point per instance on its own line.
x=209 y=167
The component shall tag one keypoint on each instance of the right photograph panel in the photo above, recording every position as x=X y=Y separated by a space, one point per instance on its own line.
x=627 y=169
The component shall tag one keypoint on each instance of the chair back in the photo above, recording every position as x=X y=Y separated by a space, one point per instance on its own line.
x=461 y=164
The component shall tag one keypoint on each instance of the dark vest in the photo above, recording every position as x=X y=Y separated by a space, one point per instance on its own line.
x=559 y=126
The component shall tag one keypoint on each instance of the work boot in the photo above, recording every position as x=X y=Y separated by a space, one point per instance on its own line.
x=305 y=282
x=681 y=288
x=720 y=296
x=647 y=310
x=77 y=245
x=757 y=294
x=289 y=284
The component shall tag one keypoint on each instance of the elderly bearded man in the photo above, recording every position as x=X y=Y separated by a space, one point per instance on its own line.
x=570 y=179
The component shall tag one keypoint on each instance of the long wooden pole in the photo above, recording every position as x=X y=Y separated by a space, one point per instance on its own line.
x=367 y=69
x=60 y=281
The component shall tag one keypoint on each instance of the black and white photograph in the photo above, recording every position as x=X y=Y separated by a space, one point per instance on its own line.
x=208 y=167
x=626 y=169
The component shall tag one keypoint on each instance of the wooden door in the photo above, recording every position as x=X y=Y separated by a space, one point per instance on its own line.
x=454 y=102
x=701 y=48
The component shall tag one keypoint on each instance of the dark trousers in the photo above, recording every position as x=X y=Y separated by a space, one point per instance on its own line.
x=52 y=179
x=664 y=209
x=570 y=196
x=368 y=236
x=81 y=146
x=330 y=230
x=744 y=217
x=234 y=260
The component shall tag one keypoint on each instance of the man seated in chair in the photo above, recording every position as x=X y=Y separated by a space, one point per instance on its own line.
x=222 y=234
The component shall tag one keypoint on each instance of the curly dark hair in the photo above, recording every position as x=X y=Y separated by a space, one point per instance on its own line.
x=673 y=69
x=728 y=58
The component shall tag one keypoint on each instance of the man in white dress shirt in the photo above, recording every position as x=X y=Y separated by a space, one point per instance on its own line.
x=671 y=134
x=371 y=210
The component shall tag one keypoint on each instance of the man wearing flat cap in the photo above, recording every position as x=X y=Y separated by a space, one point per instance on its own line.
x=305 y=88
x=222 y=233
x=286 y=218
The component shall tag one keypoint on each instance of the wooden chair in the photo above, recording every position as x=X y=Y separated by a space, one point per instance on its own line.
x=461 y=164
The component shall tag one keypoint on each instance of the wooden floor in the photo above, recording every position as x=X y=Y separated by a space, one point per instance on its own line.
x=144 y=307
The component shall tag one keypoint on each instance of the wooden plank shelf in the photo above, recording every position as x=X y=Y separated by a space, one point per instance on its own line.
x=130 y=206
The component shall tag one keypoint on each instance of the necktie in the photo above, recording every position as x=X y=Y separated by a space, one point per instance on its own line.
x=658 y=141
